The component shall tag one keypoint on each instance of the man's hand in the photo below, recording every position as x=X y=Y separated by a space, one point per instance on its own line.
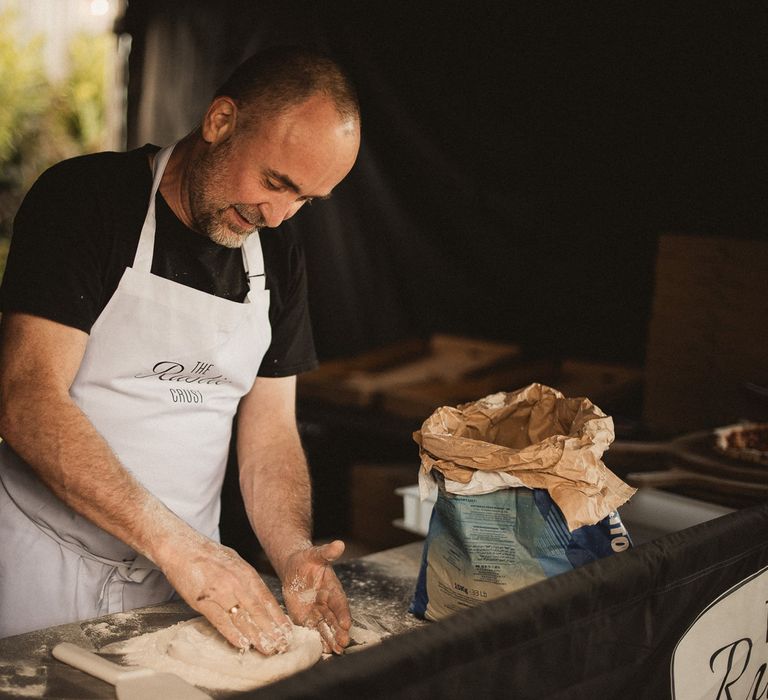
x=314 y=597
x=216 y=582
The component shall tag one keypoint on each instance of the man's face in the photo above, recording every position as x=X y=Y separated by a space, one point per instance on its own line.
x=260 y=176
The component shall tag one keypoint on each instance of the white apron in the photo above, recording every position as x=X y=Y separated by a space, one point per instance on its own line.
x=164 y=369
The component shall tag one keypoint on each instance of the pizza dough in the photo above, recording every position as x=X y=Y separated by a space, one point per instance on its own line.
x=196 y=652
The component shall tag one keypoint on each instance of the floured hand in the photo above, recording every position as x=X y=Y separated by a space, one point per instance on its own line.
x=314 y=597
x=217 y=582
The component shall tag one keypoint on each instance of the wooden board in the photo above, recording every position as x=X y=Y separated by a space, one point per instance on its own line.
x=365 y=379
x=708 y=334
x=413 y=378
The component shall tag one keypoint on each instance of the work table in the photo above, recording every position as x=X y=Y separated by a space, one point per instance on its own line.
x=379 y=587
x=611 y=628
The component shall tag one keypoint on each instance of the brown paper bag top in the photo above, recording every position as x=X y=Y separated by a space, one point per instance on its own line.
x=545 y=439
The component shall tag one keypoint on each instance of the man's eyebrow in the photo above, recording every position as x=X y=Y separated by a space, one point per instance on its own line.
x=291 y=185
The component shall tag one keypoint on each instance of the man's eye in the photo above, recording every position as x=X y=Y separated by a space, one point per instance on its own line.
x=272 y=185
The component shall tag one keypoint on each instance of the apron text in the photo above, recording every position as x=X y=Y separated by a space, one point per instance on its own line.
x=168 y=371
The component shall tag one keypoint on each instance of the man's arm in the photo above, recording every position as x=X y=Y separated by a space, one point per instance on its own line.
x=39 y=359
x=275 y=483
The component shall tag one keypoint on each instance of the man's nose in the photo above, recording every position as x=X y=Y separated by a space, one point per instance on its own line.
x=275 y=212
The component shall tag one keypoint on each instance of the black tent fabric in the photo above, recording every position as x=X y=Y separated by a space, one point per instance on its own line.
x=606 y=630
x=519 y=159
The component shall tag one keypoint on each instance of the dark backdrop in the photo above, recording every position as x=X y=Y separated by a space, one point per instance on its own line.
x=519 y=160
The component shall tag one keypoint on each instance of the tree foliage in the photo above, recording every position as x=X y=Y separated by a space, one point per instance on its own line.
x=42 y=122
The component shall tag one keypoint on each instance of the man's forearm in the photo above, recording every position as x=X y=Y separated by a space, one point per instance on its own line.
x=275 y=484
x=59 y=442
x=39 y=360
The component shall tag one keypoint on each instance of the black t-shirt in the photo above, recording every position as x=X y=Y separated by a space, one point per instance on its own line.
x=78 y=229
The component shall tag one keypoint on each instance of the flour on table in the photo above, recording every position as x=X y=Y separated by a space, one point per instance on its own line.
x=196 y=652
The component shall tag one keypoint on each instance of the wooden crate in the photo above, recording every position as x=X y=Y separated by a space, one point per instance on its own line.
x=365 y=379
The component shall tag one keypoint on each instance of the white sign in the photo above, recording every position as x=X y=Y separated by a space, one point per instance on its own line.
x=724 y=654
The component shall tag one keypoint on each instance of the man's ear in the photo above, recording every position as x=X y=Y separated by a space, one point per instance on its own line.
x=219 y=120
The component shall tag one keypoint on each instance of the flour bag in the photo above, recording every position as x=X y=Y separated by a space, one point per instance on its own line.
x=522 y=495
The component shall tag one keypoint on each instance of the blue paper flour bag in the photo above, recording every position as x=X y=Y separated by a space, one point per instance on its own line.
x=522 y=495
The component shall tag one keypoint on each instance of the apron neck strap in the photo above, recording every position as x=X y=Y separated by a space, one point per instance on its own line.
x=142 y=261
x=253 y=261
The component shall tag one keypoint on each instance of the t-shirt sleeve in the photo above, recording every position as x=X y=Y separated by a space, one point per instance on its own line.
x=292 y=349
x=53 y=266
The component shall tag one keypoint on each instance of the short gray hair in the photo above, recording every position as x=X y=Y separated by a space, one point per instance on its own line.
x=280 y=77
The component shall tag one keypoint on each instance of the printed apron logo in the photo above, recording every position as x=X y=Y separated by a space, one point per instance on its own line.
x=724 y=653
x=201 y=374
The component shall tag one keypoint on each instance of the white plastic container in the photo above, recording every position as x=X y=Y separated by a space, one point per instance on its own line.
x=415 y=513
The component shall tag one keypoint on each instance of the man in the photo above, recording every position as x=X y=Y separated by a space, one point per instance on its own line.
x=143 y=307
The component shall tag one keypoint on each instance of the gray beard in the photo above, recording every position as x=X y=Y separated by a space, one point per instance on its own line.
x=223 y=236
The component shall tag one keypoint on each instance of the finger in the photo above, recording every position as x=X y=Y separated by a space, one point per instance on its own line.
x=280 y=620
x=340 y=634
x=334 y=607
x=223 y=622
x=267 y=615
x=333 y=599
x=327 y=553
x=258 y=626
x=342 y=614
x=260 y=596
x=337 y=602
x=330 y=645
x=324 y=621
x=328 y=638
x=329 y=633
